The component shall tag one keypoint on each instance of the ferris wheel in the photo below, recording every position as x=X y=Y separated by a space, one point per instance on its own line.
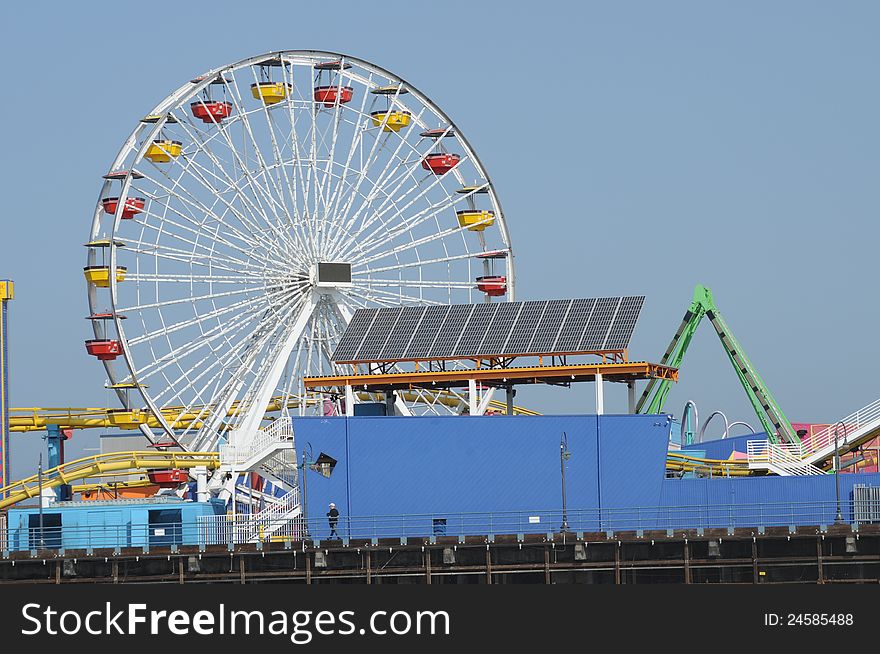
x=254 y=209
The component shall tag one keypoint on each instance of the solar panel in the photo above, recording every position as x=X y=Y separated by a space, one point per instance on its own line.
x=401 y=335
x=431 y=324
x=452 y=330
x=351 y=339
x=499 y=330
x=410 y=333
x=374 y=341
x=476 y=328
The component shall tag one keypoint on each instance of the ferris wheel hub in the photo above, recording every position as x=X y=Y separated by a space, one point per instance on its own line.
x=331 y=274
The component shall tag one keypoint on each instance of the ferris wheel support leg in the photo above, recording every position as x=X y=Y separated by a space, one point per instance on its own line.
x=201 y=475
x=349 y=400
x=253 y=416
x=485 y=400
x=390 y=399
x=631 y=395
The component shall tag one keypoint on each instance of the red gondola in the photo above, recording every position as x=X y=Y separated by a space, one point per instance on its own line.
x=133 y=206
x=105 y=350
x=211 y=111
x=440 y=163
x=168 y=478
x=492 y=285
x=328 y=94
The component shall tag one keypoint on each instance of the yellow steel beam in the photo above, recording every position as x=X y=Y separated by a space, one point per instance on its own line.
x=37 y=418
x=103 y=464
x=531 y=374
x=722 y=467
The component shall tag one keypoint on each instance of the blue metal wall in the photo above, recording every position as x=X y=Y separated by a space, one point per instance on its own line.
x=485 y=469
x=114 y=524
x=466 y=464
x=723 y=448
x=722 y=502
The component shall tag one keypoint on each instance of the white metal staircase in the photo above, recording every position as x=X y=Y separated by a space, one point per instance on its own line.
x=801 y=458
x=268 y=443
x=784 y=459
x=279 y=519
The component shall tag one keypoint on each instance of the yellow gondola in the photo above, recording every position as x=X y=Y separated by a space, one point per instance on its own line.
x=396 y=120
x=475 y=220
x=126 y=418
x=100 y=275
x=270 y=92
x=162 y=151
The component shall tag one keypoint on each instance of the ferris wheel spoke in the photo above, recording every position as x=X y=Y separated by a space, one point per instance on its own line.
x=345 y=220
x=240 y=308
x=160 y=224
x=299 y=177
x=221 y=362
x=207 y=259
x=363 y=257
x=388 y=298
x=209 y=296
x=389 y=186
x=411 y=283
x=392 y=199
x=413 y=149
x=229 y=180
x=294 y=237
x=256 y=239
x=258 y=210
x=359 y=129
x=376 y=147
x=254 y=280
x=358 y=270
x=407 y=224
x=162 y=361
x=273 y=201
x=190 y=202
x=313 y=158
x=198 y=342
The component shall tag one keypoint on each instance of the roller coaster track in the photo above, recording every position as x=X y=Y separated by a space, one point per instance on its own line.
x=679 y=462
x=104 y=464
x=36 y=419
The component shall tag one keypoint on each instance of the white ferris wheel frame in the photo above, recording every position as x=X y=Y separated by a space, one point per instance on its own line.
x=131 y=157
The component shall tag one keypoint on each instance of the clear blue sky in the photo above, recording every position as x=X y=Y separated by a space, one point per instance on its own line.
x=637 y=147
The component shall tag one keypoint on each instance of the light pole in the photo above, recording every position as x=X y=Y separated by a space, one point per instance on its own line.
x=838 y=519
x=42 y=542
x=307 y=455
x=324 y=466
x=564 y=455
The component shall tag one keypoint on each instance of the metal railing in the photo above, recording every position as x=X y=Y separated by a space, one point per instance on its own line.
x=796 y=458
x=786 y=458
x=244 y=528
x=824 y=438
x=265 y=440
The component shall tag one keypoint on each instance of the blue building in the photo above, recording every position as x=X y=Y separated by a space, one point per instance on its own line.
x=157 y=522
x=416 y=476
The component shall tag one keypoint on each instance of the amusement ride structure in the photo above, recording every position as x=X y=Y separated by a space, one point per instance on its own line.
x=258 y=209
x=245 y=219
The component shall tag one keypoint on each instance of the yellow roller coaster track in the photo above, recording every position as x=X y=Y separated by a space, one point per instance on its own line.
x=37 y=418
x=678 y=462
x=104 y=464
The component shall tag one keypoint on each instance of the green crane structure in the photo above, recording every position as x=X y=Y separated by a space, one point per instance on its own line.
x=771 y=416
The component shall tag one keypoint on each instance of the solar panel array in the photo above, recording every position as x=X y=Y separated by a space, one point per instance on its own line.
x=411 y=333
